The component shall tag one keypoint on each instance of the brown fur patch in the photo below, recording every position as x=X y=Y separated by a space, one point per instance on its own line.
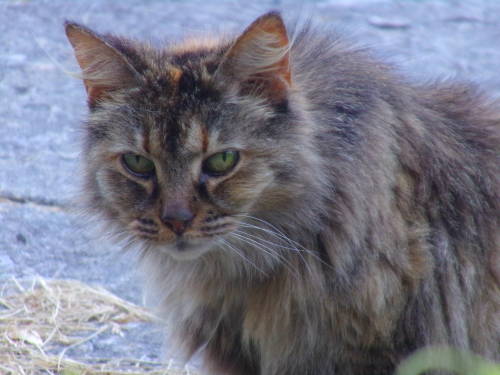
x=176 y=75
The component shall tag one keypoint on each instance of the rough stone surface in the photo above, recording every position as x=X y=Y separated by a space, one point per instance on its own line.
x=41 y=106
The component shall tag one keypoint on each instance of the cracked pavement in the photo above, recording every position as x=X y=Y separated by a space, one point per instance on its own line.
x=41 y=106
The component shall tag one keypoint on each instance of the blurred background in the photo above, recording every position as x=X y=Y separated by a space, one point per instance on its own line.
x=41 y=107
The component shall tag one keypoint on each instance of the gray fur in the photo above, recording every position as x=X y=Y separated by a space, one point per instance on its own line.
x=361 y=223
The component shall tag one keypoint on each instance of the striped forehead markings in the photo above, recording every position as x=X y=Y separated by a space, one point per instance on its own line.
x=204 y=135
x=145 y=139
x=197 y=136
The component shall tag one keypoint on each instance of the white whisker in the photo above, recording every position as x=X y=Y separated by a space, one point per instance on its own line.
x=275 y=232
x=275 y=246
x=242 y=236
x=238 y=252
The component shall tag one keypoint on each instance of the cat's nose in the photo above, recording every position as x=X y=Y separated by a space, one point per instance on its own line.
x=177 y=215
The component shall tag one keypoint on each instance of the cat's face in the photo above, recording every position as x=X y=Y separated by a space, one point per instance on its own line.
x=183 y=180
x=182 y=146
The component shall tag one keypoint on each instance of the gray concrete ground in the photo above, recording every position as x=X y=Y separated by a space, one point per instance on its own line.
x=41 y=107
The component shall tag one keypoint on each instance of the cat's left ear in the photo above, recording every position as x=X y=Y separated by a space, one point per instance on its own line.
x=259 y=58
x=104 y=68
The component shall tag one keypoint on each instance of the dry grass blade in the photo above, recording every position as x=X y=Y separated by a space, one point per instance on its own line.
x=48 y=316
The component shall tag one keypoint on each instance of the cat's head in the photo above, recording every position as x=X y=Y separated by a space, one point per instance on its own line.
x=184 y=143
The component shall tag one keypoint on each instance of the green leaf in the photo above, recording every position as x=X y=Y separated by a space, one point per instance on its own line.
x=446 y=358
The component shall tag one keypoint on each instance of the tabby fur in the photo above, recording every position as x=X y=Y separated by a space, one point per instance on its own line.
x=360 y=224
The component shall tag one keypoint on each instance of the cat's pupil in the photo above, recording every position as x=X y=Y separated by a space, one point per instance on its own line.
x=138 y=164
x=221 y=163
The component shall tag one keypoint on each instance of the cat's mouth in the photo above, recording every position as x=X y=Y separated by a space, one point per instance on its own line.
x=182 y=247
x=186 y=248
x=191 y=244
x=185 y=245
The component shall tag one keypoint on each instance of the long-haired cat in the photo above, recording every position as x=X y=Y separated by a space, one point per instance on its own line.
x=300 y=208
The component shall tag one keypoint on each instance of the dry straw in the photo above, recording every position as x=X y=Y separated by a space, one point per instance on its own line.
x=52 y=316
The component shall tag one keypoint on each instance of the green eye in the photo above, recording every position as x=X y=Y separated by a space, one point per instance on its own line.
x=221 y=163
x=138 y=165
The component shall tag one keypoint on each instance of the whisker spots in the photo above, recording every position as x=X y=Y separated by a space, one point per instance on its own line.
x=213 y=218
x=149 y=222
x=145 y=228
x=215 y=227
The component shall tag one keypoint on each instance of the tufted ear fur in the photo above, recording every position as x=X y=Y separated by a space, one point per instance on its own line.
x=104 y=68
x=259 y=58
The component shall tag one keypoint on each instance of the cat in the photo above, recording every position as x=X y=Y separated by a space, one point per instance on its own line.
x=299 y=207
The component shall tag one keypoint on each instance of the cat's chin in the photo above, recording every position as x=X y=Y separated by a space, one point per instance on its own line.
x=186 y=249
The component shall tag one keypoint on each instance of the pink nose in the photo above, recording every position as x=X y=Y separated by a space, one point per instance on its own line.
x=177 y=215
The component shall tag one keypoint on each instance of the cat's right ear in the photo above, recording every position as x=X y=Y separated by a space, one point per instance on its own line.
x=104 y=68
x=259 y=58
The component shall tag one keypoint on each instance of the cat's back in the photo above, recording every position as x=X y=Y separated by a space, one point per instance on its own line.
x=375 y=126
x=347 y=86
x=423 y=160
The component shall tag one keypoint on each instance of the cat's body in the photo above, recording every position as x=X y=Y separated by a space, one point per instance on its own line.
x=356 y=221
